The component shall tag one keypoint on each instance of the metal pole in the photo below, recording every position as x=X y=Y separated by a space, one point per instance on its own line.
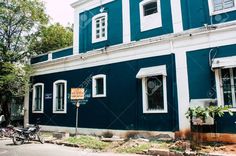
x=77 y=118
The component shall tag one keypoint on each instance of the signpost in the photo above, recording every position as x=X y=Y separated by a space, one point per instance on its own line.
x=77 y=94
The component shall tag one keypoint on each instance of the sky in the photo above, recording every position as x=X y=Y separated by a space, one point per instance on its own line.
x=60 y=11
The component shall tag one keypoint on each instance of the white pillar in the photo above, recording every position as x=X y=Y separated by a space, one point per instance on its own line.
x=76 y=32
x=126 y=21
x=176 y=16
x=26 y=109
x=182 y=89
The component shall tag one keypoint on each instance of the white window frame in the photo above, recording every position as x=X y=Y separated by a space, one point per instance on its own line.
x=95 y=95
x=219 y=90
x=213 y=12
x=33 y=104
x=144 y=74
x=94 y=39
x=54 y=97
x=151 y=21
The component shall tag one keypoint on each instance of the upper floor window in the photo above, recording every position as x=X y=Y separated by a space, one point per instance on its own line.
x=221 y=6
x=59 y=96
x=99 y=86
x=99 y=27
x=154 y=89
x=38 y=98
x=150 y=14
x=150 y=8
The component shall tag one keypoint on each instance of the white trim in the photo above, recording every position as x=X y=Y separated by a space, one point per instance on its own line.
x=151 y=21
x=158 y=46
x=176 y=16
x=99 y=132
x=224 y=62
x=88 y=4
x=54 y=97
x=219 y=92
x=42 y=98
x=144 y=91
x=182 y=88
x=94 y=19
x=151 y=71
x=76 y=32
x=212 y=12
x=95 y=95
x=126 y=21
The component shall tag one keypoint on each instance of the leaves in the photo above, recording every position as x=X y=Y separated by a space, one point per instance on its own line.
x=51 y=38
x=19 y=20
x=212 y=111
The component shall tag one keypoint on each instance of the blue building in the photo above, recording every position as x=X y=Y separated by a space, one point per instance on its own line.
x=141 y=63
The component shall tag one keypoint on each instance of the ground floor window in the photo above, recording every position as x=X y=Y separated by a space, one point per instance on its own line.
x=59 y=98
x=99 y=85
x=154 y=91
x=228 y=86
x=38 y=98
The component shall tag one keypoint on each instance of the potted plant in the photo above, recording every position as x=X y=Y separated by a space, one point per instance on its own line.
x=198 y=115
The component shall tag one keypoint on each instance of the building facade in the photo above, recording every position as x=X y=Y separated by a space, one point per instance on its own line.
x=141 y=64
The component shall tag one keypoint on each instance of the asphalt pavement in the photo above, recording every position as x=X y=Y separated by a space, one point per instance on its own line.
x=37 y=149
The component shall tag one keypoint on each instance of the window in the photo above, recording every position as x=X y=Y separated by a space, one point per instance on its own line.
x=99 y=86
x=99 y=28
x=154 y=89
x=228 y=84
x=38 y=98
x=150 y=8
x=60 y=96
x=150 y=14
x=221 y=6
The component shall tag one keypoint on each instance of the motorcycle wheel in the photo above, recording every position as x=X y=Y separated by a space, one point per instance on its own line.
x=17 y=140
x=41 y=139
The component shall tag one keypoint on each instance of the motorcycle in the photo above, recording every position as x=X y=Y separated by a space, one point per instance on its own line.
x=31 y=133
x=7 y=132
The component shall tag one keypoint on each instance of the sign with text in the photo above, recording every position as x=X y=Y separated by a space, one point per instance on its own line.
x=77 y=93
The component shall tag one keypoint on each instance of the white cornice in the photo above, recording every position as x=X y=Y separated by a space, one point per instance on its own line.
x=200 y=38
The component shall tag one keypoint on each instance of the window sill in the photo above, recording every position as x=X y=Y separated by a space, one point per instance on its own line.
x=98 y=96
x=37 y=112
x=222 y=11
x=99 y=40
x=59 y=112
x=155 y=112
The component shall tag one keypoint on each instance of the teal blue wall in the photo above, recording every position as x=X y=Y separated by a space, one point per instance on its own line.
x=195 y=13
x=115 y=32
x=202 y=82
x=122 y=108
x=167 y=26
x=38 y=59
x=62 y=53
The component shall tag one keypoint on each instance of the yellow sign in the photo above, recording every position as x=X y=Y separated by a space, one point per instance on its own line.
x=77 y=93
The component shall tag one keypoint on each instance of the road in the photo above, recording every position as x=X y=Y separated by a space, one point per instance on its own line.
x=37 y=149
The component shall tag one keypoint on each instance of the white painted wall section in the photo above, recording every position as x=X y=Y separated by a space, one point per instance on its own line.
x=182 y=89
x=76 y=33
x=176 y=15
x=126 y=21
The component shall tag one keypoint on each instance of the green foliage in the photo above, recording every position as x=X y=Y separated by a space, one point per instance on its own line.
x=14 y=78
x=211 y=111
x=88 y=142
x=52 y=37
x=19 y=20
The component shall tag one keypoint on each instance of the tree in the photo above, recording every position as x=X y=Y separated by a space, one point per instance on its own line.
x=52 y=37
x=19 y=22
